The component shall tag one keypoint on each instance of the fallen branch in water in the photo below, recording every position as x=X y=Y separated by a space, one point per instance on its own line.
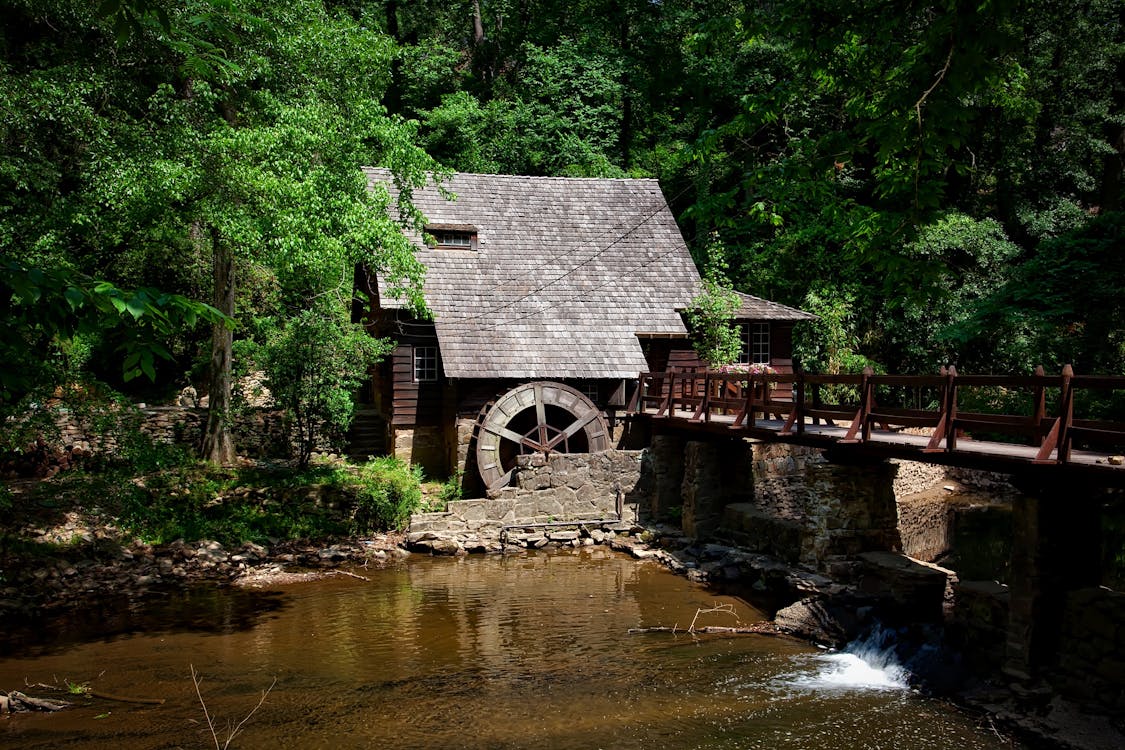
x=353 y=575
x=83 y=688
x=727 y=609
x=758 y=628
x=231 y=732
x=126 y=699
x=16 y=701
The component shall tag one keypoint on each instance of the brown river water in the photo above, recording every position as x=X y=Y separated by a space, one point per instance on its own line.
x=529 y=651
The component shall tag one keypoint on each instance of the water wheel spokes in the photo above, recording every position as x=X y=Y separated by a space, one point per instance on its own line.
x=541 y=417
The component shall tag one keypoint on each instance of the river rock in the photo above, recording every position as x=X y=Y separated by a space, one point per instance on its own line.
x=817 y=620
x=213 y=552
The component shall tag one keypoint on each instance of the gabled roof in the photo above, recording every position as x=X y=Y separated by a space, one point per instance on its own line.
x=756 y=308
x=566 y=273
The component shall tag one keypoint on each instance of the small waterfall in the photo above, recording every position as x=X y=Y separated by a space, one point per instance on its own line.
x=869 y=663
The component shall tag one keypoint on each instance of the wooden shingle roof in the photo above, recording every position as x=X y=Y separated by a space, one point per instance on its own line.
x=756 y=308
x=566 y=272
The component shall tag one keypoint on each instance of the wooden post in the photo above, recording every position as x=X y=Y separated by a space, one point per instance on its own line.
x=669 y=399
x=752 y=397
x=1039 y=403
x=704 y=408
x=868 y=404
x=636 y=404
x=799 y=400
x=934 y=446
x=1066 y=414
x=860 y=418
x=816 y=403
x=951 y=412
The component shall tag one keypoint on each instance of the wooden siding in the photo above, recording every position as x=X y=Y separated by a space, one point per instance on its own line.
x=414 y=403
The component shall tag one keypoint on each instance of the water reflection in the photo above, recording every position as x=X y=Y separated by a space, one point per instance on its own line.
x=478 y=653
x=200 y=609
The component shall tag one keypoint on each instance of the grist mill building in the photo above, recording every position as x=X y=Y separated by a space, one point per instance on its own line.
x=549 y=296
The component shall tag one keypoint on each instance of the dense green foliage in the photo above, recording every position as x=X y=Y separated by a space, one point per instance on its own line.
x=215 y=148
x=387 y=492
x=313 y=366
x=941 y=182
x=926 y=176
x=160 y=494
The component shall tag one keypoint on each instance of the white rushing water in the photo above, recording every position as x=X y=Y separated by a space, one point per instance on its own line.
x=863 y=665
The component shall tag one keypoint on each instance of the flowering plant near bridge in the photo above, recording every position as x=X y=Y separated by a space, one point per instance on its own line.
x=752 y=369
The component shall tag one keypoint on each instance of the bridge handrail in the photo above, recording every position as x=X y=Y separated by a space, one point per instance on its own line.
x=748 y=394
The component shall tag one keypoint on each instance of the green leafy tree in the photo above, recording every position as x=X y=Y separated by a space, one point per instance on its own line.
x=313 y=366
x=208 y=140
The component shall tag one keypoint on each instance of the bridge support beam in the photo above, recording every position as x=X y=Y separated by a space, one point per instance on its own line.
x=1055 y=550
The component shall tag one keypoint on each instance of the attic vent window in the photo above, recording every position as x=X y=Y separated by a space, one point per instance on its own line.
x=454 y=236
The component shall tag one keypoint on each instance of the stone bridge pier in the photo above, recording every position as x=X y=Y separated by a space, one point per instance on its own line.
x=826 y=513
x=836 y=514
x=1056 y=554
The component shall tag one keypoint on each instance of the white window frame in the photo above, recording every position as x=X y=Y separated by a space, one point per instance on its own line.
x=755 y=344
x=452 y=239
x=425 y=364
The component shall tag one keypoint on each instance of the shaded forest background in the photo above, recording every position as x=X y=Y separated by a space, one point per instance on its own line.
x=941 y=182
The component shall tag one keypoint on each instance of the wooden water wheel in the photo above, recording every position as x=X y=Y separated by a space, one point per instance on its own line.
x=540 y=417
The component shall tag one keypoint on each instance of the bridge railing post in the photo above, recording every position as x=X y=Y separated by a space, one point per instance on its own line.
x=1066 y=413
x=951 y=411
x=1039 y=404
x=816 y=403
x=868 y=403
x=704 y=408
x=859 y=421
x=799 y=400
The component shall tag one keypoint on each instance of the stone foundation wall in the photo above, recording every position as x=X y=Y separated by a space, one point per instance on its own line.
x=665 y=465
x=779 y=478
x=568 y=486
x=714 y=476
x=572 y=489
x=421 y=446
x=926 y=525
x=850 y=509
x=912 y=477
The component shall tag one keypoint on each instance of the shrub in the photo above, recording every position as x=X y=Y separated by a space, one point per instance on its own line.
x=313 y=366
x=388 y=492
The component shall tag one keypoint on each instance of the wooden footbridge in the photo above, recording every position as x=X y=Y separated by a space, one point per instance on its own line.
x=1025 y=425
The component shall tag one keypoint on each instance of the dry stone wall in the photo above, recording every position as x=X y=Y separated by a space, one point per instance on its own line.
x=257 y=432
x=560 y=498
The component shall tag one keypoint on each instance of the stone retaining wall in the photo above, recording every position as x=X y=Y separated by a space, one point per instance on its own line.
x=912 y=477
x=257 y=432
x=573 y=488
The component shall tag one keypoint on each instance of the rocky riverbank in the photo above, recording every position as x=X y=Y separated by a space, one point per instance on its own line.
x=80 y=560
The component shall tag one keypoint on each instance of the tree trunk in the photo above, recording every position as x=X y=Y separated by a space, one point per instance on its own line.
x=478 y=24
x=218 y=446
